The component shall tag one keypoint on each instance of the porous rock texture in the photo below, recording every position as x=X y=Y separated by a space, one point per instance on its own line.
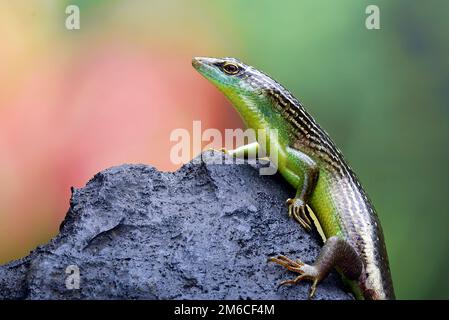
x=202 y=232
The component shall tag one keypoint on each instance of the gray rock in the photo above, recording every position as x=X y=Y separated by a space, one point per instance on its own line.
x=203 y=232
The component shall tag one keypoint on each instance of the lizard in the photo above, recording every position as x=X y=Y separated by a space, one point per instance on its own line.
x=329 y=194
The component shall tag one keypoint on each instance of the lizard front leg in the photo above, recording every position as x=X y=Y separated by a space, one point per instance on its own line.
x=336 y=252
x=247 y=151
x=301 y=172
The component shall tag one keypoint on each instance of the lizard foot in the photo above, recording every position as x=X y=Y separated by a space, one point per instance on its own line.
x=306 y=272
x=297 y=209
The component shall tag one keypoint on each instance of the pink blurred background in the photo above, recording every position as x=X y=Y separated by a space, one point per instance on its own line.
x=73 y=103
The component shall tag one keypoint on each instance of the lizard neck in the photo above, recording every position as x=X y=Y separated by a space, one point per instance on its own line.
x=259 y=113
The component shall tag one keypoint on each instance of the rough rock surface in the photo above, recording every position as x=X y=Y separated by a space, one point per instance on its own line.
x=203 y=232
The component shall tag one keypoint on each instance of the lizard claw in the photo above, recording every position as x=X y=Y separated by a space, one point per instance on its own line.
x=307 y=272
x=297 y=209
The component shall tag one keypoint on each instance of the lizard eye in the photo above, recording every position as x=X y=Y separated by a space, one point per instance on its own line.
x=230 y=68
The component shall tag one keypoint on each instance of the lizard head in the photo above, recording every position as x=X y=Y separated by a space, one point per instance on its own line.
x=229 y=75
x=252 y=92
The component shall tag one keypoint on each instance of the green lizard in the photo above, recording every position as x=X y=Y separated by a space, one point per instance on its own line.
x=327 y=188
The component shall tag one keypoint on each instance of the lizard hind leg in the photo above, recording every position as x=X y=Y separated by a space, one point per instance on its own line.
x=336 y=252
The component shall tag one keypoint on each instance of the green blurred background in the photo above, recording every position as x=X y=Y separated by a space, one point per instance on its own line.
x=75 y=102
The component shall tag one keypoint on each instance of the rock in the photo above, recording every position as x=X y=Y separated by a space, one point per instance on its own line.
x=202 y=232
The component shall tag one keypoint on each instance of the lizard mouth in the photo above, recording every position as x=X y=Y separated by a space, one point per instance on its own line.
x=199 y=62
x=205 y=66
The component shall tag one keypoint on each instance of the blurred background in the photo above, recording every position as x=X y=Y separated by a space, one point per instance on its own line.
x=74 y=102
